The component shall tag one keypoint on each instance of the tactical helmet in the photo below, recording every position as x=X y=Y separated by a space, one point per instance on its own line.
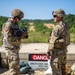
x=59 y=13
x=17 y=13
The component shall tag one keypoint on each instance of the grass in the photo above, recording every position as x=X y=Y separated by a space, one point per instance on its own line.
x=72 y=37
x=36 y=37
x=39 y=37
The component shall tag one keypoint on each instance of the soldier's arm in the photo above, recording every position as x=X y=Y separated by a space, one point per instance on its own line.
x=56 y=32
x=6 y=30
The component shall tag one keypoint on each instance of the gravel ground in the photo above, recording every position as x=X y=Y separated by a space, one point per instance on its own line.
x=5 y=72
x=39 y=48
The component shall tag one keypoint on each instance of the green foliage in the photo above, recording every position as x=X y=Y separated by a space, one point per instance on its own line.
x=70 y=19
x=24 y=23
x=72 y=29
x=2 y=20
x=41 y=32
x=39 y=26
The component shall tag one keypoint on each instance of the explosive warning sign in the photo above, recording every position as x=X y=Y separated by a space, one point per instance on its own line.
x=38 y=61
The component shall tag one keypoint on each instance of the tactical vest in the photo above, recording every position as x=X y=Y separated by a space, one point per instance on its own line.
x=64 y=38
x=67 y=36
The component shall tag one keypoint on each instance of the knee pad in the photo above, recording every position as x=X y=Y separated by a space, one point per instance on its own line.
x=55 y=64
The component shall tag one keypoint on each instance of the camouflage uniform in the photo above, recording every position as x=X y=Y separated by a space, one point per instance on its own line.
x=12 y=45
x=59 y=39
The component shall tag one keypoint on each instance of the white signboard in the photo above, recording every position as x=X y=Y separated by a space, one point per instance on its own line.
x=38 y=61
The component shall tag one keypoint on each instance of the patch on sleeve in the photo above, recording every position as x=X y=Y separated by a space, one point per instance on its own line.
x=55 y=33
x=6 y=29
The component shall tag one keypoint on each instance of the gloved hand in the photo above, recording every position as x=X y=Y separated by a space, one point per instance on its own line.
x=49 y=54
x=25 y=35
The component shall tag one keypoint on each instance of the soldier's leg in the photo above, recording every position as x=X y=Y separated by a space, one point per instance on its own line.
x=63 y=69
x=14 y=62
x=7 y=61
x=56 y=67
x=56 y=63
x=64 y=61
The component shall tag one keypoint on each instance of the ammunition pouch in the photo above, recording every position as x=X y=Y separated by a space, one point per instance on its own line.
x=17 y=43
x=59 y=45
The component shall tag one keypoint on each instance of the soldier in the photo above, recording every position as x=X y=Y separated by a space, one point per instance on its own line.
x=59 y=40
x=12 y=40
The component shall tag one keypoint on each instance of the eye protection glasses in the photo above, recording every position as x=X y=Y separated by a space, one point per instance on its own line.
x=55 y=16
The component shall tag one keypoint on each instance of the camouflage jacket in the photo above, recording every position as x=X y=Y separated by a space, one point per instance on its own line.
x=60 y=36
x=8 y=37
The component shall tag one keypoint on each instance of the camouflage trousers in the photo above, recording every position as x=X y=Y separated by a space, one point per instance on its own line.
x=58 y=62
x=13 y=60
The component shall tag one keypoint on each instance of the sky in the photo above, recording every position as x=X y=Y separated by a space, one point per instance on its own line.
x=36 y=9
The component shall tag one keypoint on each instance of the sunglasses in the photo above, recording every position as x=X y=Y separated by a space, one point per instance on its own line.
x=55 y=16
x=19 y=18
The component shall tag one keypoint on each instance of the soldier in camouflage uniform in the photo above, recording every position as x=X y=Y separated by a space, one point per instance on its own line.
x=59 y=39
x=11 y=42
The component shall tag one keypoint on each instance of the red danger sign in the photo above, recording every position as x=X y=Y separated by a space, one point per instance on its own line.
x=38 y=57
